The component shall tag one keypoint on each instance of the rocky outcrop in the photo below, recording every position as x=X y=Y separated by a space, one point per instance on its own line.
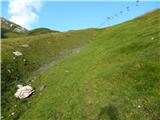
x=10 y=26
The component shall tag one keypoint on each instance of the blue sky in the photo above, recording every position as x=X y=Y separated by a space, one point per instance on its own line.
x=64 y=16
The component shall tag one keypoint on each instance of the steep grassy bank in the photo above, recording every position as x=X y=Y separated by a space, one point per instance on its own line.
x=116 y=77
x=40 y=50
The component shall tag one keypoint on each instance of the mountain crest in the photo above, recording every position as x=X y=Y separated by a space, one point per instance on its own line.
x=10 y=26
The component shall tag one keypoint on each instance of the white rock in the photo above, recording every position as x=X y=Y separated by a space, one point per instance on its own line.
x=12 y=113
x=19 y=86
x=25 y=45
x=17 y=53
x=11 y=25
x=139 y=106
x=23 y=91
x=9 y=70
x=17 y=30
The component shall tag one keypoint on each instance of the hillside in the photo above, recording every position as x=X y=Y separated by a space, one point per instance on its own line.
x=8 y=25
x=12 y=30
x=40 y=51
x=40 y=31
x=114 y=75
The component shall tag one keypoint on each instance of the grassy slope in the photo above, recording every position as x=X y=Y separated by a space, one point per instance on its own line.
x=39 y=31
x=42 y=49
x=10 y=34
x=116 y=77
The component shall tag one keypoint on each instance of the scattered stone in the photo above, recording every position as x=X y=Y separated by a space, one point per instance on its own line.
x=152 y=38
x=25 y=45
x=19 y=29
x=13 y=113
x=24 y=60
x=23 y=91
x=11 y=25
x=17 y=53
x=9 y=70
x=139 y=106
x=42 y=87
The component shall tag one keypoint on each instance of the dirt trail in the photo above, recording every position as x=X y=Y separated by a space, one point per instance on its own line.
x=61 y=56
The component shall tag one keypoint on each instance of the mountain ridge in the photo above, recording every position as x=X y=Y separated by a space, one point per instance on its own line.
x=11 y=26
x=10 y=29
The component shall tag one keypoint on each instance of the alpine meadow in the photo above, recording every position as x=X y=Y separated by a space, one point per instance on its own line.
x=110 y=73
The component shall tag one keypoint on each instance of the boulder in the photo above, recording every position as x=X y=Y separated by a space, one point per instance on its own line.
x=23 y=91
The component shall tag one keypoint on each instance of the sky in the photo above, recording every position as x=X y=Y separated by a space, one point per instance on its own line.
x=73 y=15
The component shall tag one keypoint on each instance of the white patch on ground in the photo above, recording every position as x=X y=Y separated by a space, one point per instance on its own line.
x=17 y=53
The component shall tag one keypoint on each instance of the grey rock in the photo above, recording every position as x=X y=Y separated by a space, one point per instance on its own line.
x=42 y=87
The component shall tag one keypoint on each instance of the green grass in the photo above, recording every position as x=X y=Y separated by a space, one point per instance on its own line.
x=10 y=34
x=39 y=31
x=42 y=50
x=115 y=77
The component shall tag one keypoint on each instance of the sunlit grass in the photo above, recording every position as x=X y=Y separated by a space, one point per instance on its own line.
x=115 y=77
